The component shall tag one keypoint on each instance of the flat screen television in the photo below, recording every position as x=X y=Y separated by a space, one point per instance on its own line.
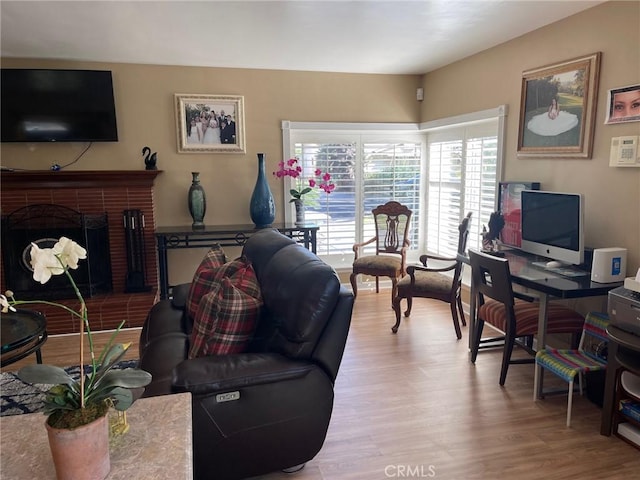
x=57 y=106
x=553 y=225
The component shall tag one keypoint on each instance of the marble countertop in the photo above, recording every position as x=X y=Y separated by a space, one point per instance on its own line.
x=157 y=445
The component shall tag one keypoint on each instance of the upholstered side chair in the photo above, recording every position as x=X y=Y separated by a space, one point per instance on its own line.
x=516 y=319
x=441 y=281
x=391 y=241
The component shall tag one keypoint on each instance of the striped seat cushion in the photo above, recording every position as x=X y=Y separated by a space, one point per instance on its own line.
x=560 y=319
x=567 y=363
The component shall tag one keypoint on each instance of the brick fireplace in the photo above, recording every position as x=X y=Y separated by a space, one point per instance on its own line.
x=94 y=193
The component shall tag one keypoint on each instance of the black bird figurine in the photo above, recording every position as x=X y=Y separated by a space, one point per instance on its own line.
x=150 y=159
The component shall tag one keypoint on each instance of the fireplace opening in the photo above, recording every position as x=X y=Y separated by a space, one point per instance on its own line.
x=43 y=225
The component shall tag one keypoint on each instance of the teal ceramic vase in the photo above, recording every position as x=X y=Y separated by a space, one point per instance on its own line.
x=197 y=201
x=262 y=208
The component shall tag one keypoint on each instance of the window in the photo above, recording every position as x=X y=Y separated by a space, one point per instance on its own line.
x=335 y=212
x=463 y=173
x=441 y=170
x=366 y=174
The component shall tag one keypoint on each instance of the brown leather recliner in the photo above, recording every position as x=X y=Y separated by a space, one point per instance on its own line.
x=269 y=408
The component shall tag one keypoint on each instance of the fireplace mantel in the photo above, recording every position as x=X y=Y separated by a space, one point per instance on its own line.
x=77 y=178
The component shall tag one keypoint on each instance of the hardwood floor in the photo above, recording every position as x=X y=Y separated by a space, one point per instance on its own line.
x=411 y=405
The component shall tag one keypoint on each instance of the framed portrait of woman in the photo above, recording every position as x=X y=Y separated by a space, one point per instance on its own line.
x=557 y=109
x=210 y=123
x=623 y=104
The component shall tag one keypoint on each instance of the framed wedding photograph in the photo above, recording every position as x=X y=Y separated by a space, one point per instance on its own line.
x=210 y=123
x=557 y=109
x=623 y=104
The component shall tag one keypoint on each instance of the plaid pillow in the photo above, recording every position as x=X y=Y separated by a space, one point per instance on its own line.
x=203 y=278
x=227 y=316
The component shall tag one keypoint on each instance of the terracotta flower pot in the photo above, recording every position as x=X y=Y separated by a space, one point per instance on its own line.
x=81 y=453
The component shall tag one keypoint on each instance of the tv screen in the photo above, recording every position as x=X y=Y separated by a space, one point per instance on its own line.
x=57 y=106
x=552 y=225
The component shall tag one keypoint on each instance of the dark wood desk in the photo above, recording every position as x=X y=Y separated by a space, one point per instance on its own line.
x=168 y=238
x=547 y=285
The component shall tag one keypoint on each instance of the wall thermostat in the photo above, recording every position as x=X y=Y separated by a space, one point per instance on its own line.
x=624 y=152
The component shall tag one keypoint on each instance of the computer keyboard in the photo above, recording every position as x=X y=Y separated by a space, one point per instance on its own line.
x=565 y=271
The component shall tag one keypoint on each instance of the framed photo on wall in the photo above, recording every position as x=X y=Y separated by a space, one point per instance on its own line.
x=557 y=109
x=210 y=123
x=623 y=105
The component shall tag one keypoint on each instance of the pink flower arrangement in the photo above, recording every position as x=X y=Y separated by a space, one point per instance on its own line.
x=292 y=169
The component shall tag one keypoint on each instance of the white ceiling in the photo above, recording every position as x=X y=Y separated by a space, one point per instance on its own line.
x=366 y=36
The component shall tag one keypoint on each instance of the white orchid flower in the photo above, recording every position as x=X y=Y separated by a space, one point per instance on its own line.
x=4 y=303
x=44 y=264
x=69 y=252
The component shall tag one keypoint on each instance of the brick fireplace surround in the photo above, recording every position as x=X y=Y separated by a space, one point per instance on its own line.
x=94 y=192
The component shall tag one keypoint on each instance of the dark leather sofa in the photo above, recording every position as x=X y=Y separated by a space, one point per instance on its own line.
x=269 y=408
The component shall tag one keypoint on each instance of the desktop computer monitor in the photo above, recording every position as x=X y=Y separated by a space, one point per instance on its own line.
x=553 y=225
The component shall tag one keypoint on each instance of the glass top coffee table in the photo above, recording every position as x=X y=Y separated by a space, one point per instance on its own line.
x=23 y=333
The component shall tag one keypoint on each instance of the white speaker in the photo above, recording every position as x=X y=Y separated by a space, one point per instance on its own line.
x=609 y=265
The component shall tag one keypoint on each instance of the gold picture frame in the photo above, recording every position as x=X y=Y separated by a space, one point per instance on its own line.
x=557 y=109
x=210 y=123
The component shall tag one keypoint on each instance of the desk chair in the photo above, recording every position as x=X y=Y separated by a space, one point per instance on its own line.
x=590 y=356
x=432 y=282
x=391 y=241
x=517 y=319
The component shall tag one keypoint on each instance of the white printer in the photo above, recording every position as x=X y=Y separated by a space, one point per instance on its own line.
x=624 y=307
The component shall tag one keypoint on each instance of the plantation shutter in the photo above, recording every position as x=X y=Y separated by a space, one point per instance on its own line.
x=335 y=212
x=391 y=172
x=463 y=175
x=366 y=174
x=440 y=169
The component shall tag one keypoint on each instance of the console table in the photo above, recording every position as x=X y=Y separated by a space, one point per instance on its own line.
x=168 y=238
x=157 y=445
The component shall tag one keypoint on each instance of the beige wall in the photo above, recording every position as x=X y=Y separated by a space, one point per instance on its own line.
x=493 y=77
x=145 y=110
x=145 y=115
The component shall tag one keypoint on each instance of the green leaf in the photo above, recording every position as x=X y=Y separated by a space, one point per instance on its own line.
x=113 y=355
x=122 y=398
x=305 y=191
x=47 y=374
x=127 y=378
x=107 y=347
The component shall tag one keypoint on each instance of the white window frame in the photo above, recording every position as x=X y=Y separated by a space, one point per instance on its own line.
x=410 y=131
x=459 y=122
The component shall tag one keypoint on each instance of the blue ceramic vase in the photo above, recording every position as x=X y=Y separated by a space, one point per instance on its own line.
x=262 y=208
x=197 y=201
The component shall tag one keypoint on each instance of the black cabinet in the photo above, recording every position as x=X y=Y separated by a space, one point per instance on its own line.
x=624 y=356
